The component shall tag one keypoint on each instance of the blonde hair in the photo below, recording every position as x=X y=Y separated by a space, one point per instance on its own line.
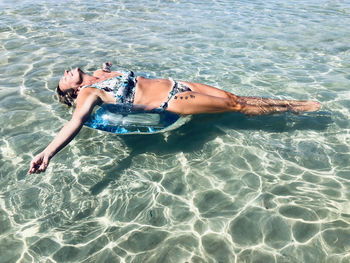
x=67 y=97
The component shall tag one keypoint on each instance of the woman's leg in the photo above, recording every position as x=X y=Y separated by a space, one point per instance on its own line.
x=190 y=102
x=223 y=101
x=207 y=90
x=194 y=103
x=260 y=106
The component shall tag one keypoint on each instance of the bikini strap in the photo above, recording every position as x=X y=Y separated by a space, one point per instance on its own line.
x=173 y=91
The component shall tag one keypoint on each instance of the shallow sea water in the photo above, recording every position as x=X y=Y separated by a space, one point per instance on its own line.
x=221 y=188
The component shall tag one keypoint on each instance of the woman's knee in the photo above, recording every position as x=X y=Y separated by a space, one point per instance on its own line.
x=233 y=102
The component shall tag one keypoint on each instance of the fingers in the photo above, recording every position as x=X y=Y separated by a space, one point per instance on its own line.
x=37 y=169
x=33 y=165
x=38 y=164
x=43 y=165
x=34 y=169
x=107 y=66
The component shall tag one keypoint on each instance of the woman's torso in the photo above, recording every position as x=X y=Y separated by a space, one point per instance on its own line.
x=118 y=89
x=150 y=93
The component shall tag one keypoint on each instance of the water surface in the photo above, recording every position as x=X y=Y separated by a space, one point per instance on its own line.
x=222 y=188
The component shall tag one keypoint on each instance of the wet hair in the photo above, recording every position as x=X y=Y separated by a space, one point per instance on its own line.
x=67 y=97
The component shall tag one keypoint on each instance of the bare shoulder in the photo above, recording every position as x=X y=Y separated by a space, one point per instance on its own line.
x=88 y=94
x=86 y=101
x=88 y=91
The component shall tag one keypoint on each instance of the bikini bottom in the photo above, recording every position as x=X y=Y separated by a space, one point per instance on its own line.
x=177 y=88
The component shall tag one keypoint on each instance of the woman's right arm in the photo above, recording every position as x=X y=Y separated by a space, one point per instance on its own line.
x=85 y=104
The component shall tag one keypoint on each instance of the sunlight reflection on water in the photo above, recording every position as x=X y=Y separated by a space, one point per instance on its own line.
x=221 y=188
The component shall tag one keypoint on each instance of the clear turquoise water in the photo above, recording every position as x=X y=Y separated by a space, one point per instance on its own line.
x=221 y=188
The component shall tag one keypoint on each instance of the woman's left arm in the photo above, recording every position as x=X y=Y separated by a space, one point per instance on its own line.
x=106 y=72
x=86 y=101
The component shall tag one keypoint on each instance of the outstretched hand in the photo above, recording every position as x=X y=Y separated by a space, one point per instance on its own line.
x=39 y=163
x=106 y=67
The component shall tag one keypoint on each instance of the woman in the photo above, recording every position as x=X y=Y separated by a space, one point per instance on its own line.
x=86 y=91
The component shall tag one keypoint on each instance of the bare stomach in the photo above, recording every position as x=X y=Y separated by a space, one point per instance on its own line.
x=152 y=92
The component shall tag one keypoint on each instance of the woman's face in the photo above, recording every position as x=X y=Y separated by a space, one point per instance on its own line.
x=71 y=80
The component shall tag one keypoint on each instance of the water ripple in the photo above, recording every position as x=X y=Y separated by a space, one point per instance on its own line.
x=222 y=188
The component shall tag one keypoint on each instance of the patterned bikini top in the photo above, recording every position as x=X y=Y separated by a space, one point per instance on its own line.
x=122 y=87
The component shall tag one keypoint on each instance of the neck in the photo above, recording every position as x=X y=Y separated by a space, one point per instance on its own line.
x=88 y=80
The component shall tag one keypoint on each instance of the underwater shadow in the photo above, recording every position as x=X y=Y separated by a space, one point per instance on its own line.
x=203 y=128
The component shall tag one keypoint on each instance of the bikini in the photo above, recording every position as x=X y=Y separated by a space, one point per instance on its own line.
x=177 y=88
x=123 y=88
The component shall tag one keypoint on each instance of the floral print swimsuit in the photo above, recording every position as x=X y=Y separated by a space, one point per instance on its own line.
x=122 y=87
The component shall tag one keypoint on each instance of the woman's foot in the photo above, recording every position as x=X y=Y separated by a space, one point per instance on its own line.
x=307 y=106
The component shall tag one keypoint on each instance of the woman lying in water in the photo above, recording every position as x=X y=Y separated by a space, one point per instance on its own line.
x=84 y=91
